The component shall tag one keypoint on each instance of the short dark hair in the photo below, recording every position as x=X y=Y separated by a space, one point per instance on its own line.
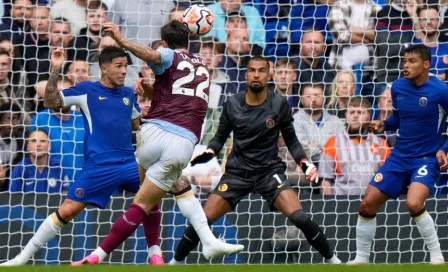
x=311 y=85
x=37 y=129
x=359 y=101
x=109 y=53
x=259 y=58
x=421 y=50
x=212 y=43
x=285 y=62
x=94 y=5
x=9 y=108
x=175 y=34
x=4 y=52
x=426 y=7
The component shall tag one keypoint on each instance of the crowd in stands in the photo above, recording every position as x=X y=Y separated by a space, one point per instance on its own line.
x=333 y=60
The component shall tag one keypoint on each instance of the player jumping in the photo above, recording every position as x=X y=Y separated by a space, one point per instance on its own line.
x=108 y=109
x=256 y=118
x=167 y=138
x=417 y=158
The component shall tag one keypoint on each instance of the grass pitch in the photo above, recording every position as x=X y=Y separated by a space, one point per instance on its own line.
x=234 y=268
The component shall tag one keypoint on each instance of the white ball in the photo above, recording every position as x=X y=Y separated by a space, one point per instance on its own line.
x=198 y=19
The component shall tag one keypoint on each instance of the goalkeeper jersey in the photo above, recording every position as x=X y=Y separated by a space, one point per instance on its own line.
x=107 y=114
x=418 y=114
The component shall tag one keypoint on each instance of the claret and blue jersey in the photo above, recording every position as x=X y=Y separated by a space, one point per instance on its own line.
x=418 y=116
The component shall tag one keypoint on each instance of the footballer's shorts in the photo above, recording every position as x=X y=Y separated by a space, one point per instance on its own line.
x=394 y=177
x=235 y=185
x=98 y=181
x=163 y=154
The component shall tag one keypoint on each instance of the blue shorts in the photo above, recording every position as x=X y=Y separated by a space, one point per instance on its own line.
x=397 y=174
x=96 y=183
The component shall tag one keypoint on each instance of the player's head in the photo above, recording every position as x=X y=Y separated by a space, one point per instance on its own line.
x=312 y=97
x=38 y=143
x=174 y=35
x=113 y=62
x=257 y=74
x=358 y=115
x=417 y=61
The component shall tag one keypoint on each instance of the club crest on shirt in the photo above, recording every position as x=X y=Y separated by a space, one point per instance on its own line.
x=270 y=123
x=51 y=182
x=378 y=177
x=126 y=101
x=223 y=187
x=79 y=192
x=423 y=102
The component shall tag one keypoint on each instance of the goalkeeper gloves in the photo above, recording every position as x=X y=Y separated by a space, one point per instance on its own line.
x=206 y=156
x=310 y=170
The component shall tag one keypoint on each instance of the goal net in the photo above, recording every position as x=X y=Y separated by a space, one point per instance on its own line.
x=322 y=54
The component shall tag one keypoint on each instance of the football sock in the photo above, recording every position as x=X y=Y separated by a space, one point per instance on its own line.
x=427 y=229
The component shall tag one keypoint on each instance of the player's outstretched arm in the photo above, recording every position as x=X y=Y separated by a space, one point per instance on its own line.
x=52 y=98
x=141 y=51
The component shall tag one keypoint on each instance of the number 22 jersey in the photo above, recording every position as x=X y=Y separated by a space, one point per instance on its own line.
x=181 y=93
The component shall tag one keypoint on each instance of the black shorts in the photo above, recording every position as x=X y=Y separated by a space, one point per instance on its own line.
x=233 y=186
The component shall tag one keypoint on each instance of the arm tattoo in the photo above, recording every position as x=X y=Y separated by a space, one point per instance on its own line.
x=141 y=51
x=52 y=98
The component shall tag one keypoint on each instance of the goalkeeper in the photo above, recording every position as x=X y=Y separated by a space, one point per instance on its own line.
x=256 y=117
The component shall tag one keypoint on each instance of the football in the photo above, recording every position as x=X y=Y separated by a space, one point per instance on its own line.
x=198 y=19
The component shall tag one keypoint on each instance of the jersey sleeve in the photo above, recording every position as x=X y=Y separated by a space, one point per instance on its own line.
x=166 y=60
x=136 y=111
x=76 y=95
x=289 y=134
x=393 y=122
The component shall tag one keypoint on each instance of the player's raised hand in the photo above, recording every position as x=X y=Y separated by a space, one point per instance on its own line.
x=204 y=157
x=442 y=159
x=142 y=86
x=376 y=126
x=310 y=170
x=57 y=58
x=113 y=30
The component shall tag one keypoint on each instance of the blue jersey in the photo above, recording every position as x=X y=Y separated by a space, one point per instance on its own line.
x=418 y=115
x=438 y=53
x=26 y=178
x=107 y=113
x=66 y=138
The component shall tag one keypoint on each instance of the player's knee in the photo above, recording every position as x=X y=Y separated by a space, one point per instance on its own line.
x=69 y=210
x=414 y=206
x=181 y=186
x=368 y=207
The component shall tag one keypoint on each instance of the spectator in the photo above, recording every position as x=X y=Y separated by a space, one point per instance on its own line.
x=140 y=21
x=95 y=70
x=74 y=11
x=284 y=77
x=88 y=40
x=394 y=33
x=429 y=24
x=312 y=124
x=38 y=66
x=38 y=172
x=349 y=160
x=177 y=13
x=66 y=130
x=40 y=26
x=342 y=89
x=313 y=67
x=309 y=14
x=352 y=23
x=385 y=111
x=236 y=56
x=10 y=93
x=11 y=140
x=15 y=27
x=78 y=71
x=222 y=12
x=220 y=84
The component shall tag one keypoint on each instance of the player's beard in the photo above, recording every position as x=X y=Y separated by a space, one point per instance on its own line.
x=256 y=89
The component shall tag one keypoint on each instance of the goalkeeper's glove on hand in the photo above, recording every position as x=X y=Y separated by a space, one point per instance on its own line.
x=310 y=170
x=206 y=156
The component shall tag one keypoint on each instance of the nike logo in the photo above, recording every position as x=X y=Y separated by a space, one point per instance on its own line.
x=29 y=183
x=102 y=97
x=316 y=236
x=187 y=238
x=280 y=186
x=127 y=221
